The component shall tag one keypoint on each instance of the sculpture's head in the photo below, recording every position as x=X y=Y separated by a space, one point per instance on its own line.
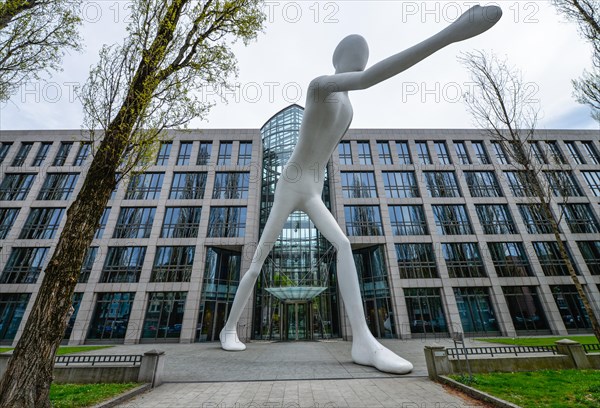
x=351 y=54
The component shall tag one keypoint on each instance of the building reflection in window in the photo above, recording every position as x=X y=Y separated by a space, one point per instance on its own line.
x=476 y=313
x=525 y=309
x=111 y=317
x=425 y=310
x=164 y=316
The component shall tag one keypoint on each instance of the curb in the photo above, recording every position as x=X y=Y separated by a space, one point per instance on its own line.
x=113 y=402
x=475 y=393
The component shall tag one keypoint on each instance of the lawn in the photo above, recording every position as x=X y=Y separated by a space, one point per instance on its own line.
x=85 y=395
x=547 y=388
x=538 y=341
x=66 y=349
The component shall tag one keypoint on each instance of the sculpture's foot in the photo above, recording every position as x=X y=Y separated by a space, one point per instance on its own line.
x=370 y=352
x=230 y=341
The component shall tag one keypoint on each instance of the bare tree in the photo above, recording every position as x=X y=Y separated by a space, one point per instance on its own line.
x=503 y=105
x=137 y=89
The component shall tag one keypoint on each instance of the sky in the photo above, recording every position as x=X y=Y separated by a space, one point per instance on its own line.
x=297 y=44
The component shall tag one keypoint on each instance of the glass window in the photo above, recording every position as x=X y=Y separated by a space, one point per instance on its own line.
x=164 y=316
x=500 y=153
x=364 y=153
x=42 y=223
x=580 y=218
x=173 y=264
x=475 y=310
x=123 y=264
x=425 y=310
x=102 y=223
x=4 y=148
x=483 y=184
x=521 y=183
x=481 y=156
x=62 y=154
x=111 y=316
x=509 y=259
x=591 y=177
x=537 y=153
x=24 y=265
x=231 y=185
x=359 y=185
x=385 y=155
x=134 y=222
x=224 y=157
x=571 y=307
x=563 y=184
x=58 y=186
x=423 y=153
x=245 y=154
x=495 y=219
x=403 y=152
x=441 y=183
x=442 y=153
x=461 y=152
x=591 y=152
x=84 y=151
x=363 y=220
x=416 y=261
x=345 y=153
x=145 y=186
x=554 y=153
x=550 y=259
x=408 y=220
x=204 y=153
x=12 y=310
x=188 y=186
x=400 y=184
x=534 y=219
x=162 y=159
x=7 y=219
x=590 y=250
x=574 y=152
x=16 y=186
x=88 y=263
x=451 y=220
x=463 y=260
x=185 y=153
x=181 y=222
x=21 y=155
x=227 y=222
x=525 y=308
x=41 y=155
x=75 y=303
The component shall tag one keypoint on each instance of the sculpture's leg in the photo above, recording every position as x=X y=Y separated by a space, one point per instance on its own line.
x=277 y=217
x=366 y=350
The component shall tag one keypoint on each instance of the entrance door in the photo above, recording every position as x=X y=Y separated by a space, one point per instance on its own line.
x=213 y=321
x=296 y=322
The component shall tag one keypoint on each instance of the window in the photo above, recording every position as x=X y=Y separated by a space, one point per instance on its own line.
x=408 y=220
x=188 y=186
x=580 y=218
x=134 y=222
x=181 y=222
x=24 y=265
x=537 y=153
x=16 y=186
x=571 y=307
x=441 y=184
x=481 y=156
x=416 y=261
x=590 y=250
x=173 y=264
x=574 y=152
x=12 y=310
x=359 y=185
x=500 y=153
x=403 y=152
x=463 y=260
x=185 y=153
x=563 y=184
x=231 y=185
x=461 y=152
x=364 y=153
x=521 y=183
x=19 y=159
x=62 y=154
x=7 y=219
x=509 y=259
x=549 y=256
x=425 y=310
x=145 y=186
x=591 y=177
x=4 y=148
x=401 y=184
x=525 y=308
x=475 y=310
x=111 y=316
x=88 y=263
x=75 y=303
x=483 y=184
x=102 y=223
x=451 y=220
x=385 y=155
x=442 y=152
x=58 y=186
x=164 y=316
x=41 y=155
x=245 y=154
x=227 y=222
x=534 y=219
x=42 y=223
x=162 y=159
x=224 y=157
x=204 y=153
x=345 y=153
x=423 y=153
x=554 y=153
x=84 y=151
x=123 y=264
x=495 y=219
x=591 y=152
x=363 y=220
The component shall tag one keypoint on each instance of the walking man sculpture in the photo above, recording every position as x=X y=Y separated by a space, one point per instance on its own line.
x=327 y=117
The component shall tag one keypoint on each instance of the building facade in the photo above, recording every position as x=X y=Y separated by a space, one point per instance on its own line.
x=445 y=235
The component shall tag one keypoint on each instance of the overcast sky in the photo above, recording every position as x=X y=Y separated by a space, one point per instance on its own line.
x=297 y=45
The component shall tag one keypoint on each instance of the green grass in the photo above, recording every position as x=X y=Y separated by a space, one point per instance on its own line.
x=547 y=388
x=66 y=349
x=85 y=395
x=538 y=341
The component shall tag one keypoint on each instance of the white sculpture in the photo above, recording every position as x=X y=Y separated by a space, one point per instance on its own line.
x=327 y=116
